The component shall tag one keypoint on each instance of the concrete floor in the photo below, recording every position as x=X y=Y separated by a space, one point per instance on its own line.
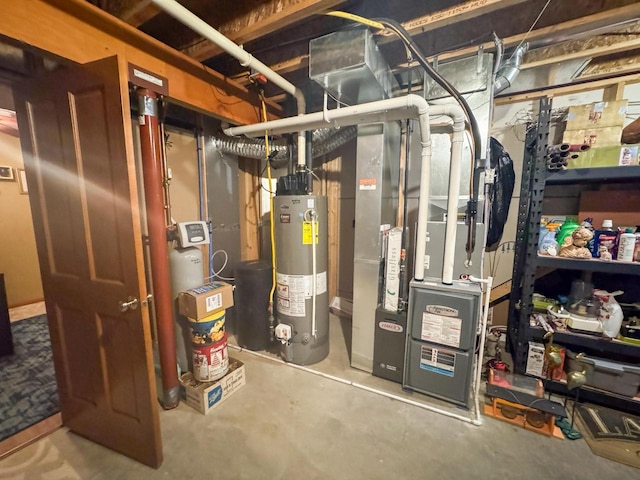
x=290 y=424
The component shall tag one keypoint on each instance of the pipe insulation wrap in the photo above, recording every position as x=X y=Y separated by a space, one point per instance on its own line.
x=198 y=25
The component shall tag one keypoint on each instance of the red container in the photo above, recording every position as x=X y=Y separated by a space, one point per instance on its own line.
x=210 y=362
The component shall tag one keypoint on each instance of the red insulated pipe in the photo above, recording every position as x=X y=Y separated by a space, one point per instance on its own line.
x=152 y=172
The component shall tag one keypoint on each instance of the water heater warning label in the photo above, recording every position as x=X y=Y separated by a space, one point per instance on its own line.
x=294 y=290
x=307 y=232
x=441 y=329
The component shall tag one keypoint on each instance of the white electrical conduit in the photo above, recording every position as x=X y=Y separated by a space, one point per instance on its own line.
x=474 y=421
x=247 y=60
x=483 y=335
x=392 y=109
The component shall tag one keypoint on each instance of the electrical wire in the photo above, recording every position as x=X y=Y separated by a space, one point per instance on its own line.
x=216 y=274
x=535 y=22
x=356 y=18
x=271 y=224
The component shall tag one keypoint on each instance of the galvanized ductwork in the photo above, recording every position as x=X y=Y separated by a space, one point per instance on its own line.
x=510 y=70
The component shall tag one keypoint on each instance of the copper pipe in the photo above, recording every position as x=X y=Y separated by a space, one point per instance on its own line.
x=151 y=147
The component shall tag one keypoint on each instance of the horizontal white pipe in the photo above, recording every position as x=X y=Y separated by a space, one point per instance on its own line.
x=247 y=60
x=363 y=387
x=409 y=106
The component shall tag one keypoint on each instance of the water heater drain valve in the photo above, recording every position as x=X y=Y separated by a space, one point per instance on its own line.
x=283 y=332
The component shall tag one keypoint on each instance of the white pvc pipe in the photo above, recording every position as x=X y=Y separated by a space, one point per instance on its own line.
x=247 y=60
x=477 y=421
x=392 y=109
x=483 y=335
x=452 y=197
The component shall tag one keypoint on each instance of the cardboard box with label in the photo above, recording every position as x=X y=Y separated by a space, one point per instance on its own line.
x=204 y=397
x=597 y=124
x=202 y=301
x=618 y=155
x=535 y=360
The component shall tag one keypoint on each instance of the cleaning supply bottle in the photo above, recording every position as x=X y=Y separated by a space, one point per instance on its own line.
x=626 y=245
x=610 y=314
x=566 y=229
x=588 y=224
x=605 y=236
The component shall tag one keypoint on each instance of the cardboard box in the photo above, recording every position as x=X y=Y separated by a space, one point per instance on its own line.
x=597 y=115
x=596 y=137
x=203 y=301
x=204 y=397
x=621 y=206
x=535 y=360
x=618 y=155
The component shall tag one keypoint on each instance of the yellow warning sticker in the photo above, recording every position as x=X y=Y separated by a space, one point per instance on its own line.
x=306 y=232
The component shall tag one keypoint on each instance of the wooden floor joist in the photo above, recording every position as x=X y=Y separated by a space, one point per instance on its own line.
x=80 y=32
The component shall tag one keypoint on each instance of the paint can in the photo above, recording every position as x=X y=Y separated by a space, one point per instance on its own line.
x=208 y=330
x=210 y=362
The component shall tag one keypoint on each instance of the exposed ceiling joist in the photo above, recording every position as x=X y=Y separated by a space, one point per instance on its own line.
x=266 y=18
x=425 y=23
x=593 y=47
x=139 y=13
x=455 y=14
x=578 y=26
x=608 y=68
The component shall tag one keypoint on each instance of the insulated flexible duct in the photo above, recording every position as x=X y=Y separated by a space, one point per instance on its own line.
x=325 y=140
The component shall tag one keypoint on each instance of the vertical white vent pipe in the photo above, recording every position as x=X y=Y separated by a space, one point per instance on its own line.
x=183 y=15
x=392 y=109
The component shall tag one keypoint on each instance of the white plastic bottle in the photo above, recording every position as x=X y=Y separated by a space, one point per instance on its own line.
x=627 y=245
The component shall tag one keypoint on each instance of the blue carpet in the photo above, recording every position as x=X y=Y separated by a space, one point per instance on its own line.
x=28 y=391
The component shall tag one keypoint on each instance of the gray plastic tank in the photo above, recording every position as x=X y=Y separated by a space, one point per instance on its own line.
x=293 y=216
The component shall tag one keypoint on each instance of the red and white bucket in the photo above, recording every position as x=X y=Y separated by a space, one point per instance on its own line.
x=210 y=362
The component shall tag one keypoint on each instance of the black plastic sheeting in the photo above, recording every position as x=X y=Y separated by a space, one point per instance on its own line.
x=500 y=193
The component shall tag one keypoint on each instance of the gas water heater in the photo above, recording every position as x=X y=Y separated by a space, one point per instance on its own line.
x=301 y=272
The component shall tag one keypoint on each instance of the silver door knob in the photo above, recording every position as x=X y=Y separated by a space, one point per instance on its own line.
x=130 y=304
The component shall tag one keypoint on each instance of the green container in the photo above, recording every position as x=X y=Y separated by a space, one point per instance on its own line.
x=566 y=229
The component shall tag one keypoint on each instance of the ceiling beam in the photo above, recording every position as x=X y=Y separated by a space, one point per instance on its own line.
x=266 y=18
x=80 y=32
x=599 y=45
x=139 y=13
x=571 y=27
x=584 y=86
x=620 y=66
x=458 y=13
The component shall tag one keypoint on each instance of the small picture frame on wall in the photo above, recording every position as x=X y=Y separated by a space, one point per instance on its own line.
x=6 y=173
x=22 y=182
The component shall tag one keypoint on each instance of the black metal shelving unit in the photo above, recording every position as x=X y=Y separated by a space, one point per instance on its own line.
x=527 y=261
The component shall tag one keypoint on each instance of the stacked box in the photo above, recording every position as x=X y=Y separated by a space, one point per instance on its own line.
x=597 y=124
x=203 y=301
x=205 y=396
x=618 y=155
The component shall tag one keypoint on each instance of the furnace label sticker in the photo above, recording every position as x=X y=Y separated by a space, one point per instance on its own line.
x=306 y=232
x=441 y=329
x=291 y=294
x=438 y=361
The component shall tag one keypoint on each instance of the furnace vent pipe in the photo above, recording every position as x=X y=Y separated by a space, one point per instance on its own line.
x=247 y=60
x=509 y=71
x=392 y=109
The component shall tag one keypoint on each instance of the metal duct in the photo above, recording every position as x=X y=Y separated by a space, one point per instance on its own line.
x=325 y=140
x=509 y=71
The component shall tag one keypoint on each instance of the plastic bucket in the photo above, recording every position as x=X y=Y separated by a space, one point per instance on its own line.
x=207 y=330
x=210 y=362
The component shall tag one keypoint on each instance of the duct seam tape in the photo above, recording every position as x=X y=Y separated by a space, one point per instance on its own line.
x=392 y=277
